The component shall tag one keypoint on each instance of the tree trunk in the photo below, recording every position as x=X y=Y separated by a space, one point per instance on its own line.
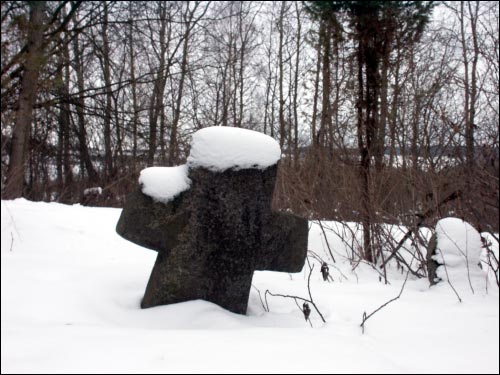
x=227 y=82
x=280 y=64
x=80 y=114
x=234 y=79
x=471 y=88
x=394 y=109
x=163 y=125
x=296 y=92
x=269 y=81
x=314 y=137
x=134 y=94
x=326 y=113
x=159 y=87
x=27 y=97
x=241 y=70
x=384 y=110
x=108 y=156
x=173 y=152
x=363 y=147
x=64 y=168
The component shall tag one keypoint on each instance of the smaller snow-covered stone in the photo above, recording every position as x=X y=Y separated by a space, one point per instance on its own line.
x=164 y=183
x=458 y=242
x=93 y=190
x=458 y=252
x=219 y=148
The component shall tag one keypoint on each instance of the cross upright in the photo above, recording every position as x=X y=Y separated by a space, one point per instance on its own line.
x=211 y=237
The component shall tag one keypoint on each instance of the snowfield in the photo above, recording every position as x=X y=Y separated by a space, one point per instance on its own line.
x=71 y=290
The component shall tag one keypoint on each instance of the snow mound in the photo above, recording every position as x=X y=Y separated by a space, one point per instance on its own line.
x=219 y=148
x=164 y=183
x=459 y=249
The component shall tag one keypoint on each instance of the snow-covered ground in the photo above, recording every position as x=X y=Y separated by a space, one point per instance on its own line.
x=71 y=288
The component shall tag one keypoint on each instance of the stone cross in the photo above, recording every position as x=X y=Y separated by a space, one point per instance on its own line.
x=211 y=238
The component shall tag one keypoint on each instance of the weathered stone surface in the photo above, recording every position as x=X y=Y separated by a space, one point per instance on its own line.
x=211 y=238
x=150 y=224
x=432 y=265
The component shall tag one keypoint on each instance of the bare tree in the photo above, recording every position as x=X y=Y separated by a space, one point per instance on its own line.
x=27 y=96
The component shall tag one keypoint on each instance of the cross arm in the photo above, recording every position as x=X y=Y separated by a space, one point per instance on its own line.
x=151 y=224
x=284 y=243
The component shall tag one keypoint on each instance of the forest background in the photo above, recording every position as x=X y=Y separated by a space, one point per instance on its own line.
x=386 y=112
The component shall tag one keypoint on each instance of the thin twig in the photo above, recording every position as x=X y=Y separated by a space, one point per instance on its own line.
x=463 y=253
x=326 y=240
x=366 y=317
x=449 y=282
x=297 y=297
x=309 y=290
x=260 y=297
x=294 y=297
x=421 y=221
x=491 y=258
x=13 y=221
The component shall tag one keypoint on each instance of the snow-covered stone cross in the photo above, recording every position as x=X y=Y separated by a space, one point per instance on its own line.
x=211 y=221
